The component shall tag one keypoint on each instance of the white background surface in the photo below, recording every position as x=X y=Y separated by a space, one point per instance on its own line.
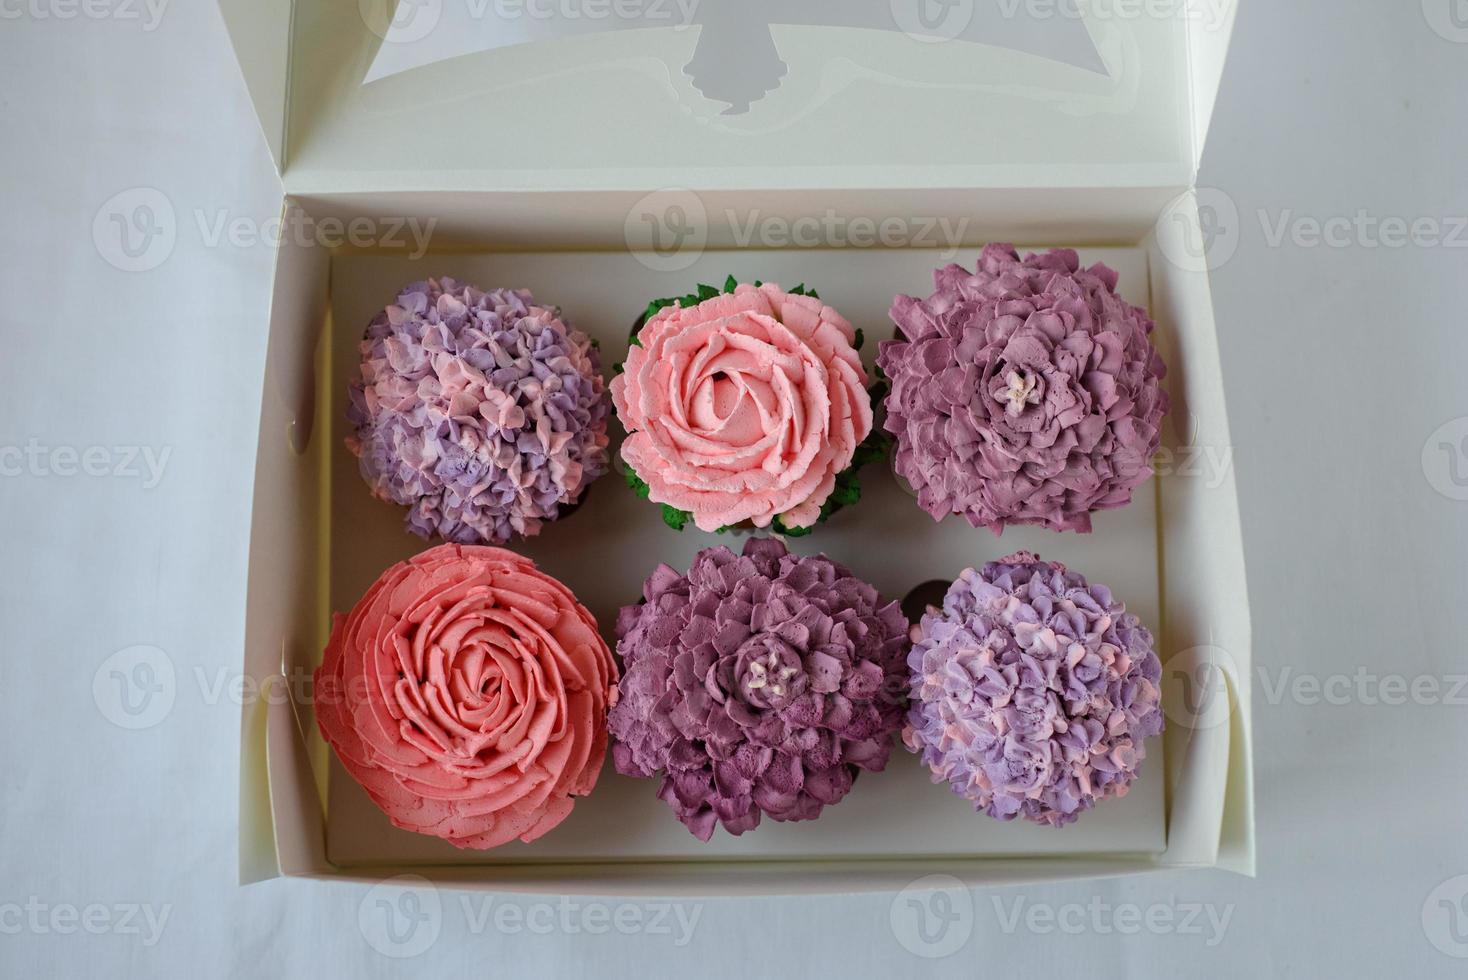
x=1342 y=360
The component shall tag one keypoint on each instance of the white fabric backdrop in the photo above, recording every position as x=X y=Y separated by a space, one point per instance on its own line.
x=118 y=847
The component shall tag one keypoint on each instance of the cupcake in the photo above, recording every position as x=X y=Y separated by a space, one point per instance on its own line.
x=467 y=693
x=1027 y=392
x=483 y=413
x=745 y=408
x=757 y=684
x=1033 y=692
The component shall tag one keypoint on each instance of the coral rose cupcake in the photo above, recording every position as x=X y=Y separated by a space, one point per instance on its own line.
x=1026 y=392
x=748 y=407
x=759 y=684
x=467 y=693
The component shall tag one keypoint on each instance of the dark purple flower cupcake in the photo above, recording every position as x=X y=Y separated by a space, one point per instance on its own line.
x=1026 y=392
x=760 y=683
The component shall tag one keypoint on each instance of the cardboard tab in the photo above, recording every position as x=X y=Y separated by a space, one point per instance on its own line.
x=1210 y=27
x=260 y=31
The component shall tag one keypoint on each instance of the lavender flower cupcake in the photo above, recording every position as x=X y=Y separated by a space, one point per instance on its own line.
x=1033 y=692
x=757 y=684
x=1025 y=392
x=483 y=413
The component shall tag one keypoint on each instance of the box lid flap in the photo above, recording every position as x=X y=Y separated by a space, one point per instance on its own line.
x=260 y=31
x=1208 y=36
x=629 y=94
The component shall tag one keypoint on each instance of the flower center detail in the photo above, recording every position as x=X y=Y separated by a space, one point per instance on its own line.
x=1023 y=390
x=769 y=673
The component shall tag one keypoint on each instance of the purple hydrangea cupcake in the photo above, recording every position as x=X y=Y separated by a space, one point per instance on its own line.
x=1026 y=392
x=483 y=413
x=1033 y=692
x=757 y=684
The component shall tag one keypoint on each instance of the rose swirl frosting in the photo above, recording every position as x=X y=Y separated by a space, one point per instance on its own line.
x=744 y=407
x=467 y=693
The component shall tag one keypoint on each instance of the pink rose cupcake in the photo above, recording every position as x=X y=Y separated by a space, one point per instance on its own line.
x=746 y=408
x=467 y=692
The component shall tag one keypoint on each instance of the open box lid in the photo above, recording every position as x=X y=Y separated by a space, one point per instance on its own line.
x=501 y=95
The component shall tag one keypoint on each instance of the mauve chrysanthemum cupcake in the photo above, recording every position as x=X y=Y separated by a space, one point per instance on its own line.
x=1033 y=691
x=757 y=685
x=747 y=407
x=1025 y=392
x=484 y=413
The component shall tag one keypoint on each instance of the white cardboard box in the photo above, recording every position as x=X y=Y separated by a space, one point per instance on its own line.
x=552 y=164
